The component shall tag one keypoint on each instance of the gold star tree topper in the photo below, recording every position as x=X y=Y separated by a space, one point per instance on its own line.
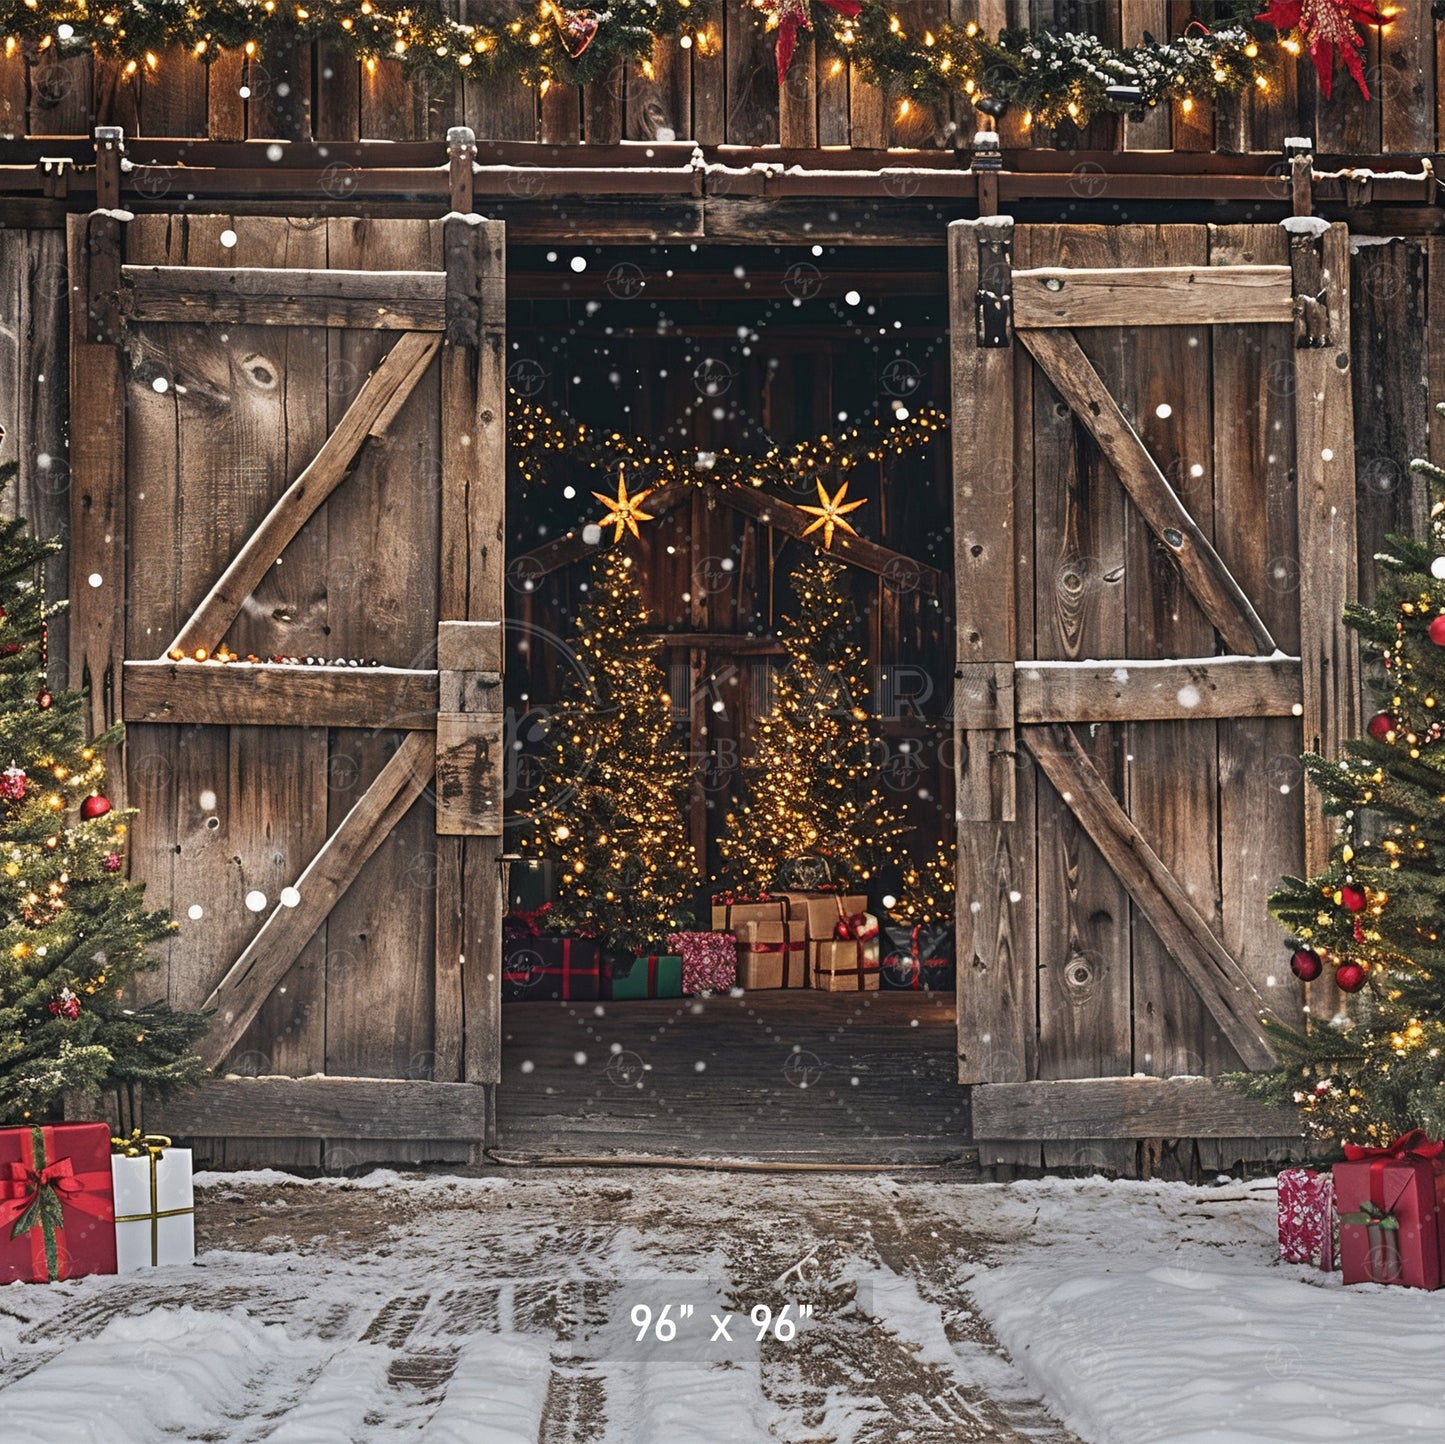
x=625 y=511
x=831 y=514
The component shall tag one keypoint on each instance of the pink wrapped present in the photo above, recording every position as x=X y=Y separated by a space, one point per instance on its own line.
x=709 y=961
x=1307 y=1217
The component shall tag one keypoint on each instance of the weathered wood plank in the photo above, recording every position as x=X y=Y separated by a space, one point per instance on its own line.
x=1325 y=466
x=381 y=935
x=1261 y=824
x=798 y=98
x=225 y=107
x=318 y=1107
x=1124 y=1108
x=1060 y=296
x=172 y=98
x=469 y=646
x=35 y=402
x=379 y=300
x=1076 y=583
x=659 y=105
x=1134 y=689
x=377 y=402
x=1136 y=19
x=752 y=80
x=267 y=693
x=1229 y=996
x=994 y=933
x=97 y=506
x=1217 y=592
x=326 y=877
x=469 y=772
x=602 y=107
x=1171 y=793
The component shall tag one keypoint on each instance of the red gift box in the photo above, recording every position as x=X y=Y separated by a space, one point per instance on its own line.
x=57 y=1210
x=552 y=967
x=1391 y=1201
x=1307 y=1217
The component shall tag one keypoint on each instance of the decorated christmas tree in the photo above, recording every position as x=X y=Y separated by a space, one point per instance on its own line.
x=1373 y=918
x=610 y=809
x=75 y=932
x=926 y=893
x=810 y=786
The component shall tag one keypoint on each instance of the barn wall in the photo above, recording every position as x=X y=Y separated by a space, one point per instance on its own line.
x=1399 y=368
x=34 y=377
x=726 y=91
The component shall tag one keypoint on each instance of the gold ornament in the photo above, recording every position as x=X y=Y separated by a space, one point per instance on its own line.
x=626 y=511
x=831 y=514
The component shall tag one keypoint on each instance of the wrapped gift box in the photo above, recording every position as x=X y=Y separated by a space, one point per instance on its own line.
x=843 y=966
x=729 y=913
x=709 y=961
x=772 y=955
x=1306 y=1217
x=1390 y=1202
x=918 y=957
x=658 y=976
x=155 y=1206
x=821 y=912
x=552 y=967
x=56 y=1205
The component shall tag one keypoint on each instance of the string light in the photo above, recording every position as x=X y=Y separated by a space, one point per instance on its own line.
x=1042 y=71
x=538 y=438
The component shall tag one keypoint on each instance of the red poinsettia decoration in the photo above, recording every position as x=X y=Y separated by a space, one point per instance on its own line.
x=1327 y=26
x=792 y=16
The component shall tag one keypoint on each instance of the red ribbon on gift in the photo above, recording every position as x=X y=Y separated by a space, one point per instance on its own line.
x=1414 y=1144
x=518 y=925
x=26 y=1188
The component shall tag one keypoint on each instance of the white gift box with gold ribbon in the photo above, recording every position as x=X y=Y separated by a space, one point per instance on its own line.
x=155 y=1208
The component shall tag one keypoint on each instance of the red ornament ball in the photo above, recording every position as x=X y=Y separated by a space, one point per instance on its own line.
x=44 y=700
x=111 y=862
x=1350 y=977
x=1381 y=725
x=67 y=1005
x=1437 y=631
x=1353 y=897
x=97 y=806
x=12 y=783
x=1305 y=964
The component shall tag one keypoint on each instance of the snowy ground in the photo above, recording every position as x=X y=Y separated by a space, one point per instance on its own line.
x=499 y=1311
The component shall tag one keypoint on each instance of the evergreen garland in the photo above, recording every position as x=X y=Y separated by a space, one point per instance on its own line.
x=1054 y=76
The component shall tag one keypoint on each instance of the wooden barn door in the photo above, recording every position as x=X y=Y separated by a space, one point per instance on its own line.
x=1154 y=532
x=302 y=457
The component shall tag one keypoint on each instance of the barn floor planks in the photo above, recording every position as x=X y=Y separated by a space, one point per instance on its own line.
x=786 y=1075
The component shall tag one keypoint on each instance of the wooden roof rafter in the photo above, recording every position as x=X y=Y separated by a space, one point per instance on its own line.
x=903 y=571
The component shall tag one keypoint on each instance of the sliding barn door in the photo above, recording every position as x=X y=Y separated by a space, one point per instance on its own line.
x=1154 y=530
x=306 y=470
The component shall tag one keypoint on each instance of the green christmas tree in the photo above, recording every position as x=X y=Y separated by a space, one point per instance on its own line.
x=610 y=808
x=1374 y=917
x=925 y=894
x=75 y=933
x=810 y=785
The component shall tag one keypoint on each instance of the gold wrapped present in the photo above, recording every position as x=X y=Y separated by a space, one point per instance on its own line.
x=772 y=955
x=843 y=965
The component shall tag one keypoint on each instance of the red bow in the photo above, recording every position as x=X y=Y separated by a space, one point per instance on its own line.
x=1326 y=26
x=522 y=924
x=1414 y=1144
x=21 y=1185
x=792 y=17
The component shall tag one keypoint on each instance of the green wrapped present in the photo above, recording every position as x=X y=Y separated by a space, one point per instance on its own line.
x=651 y=977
